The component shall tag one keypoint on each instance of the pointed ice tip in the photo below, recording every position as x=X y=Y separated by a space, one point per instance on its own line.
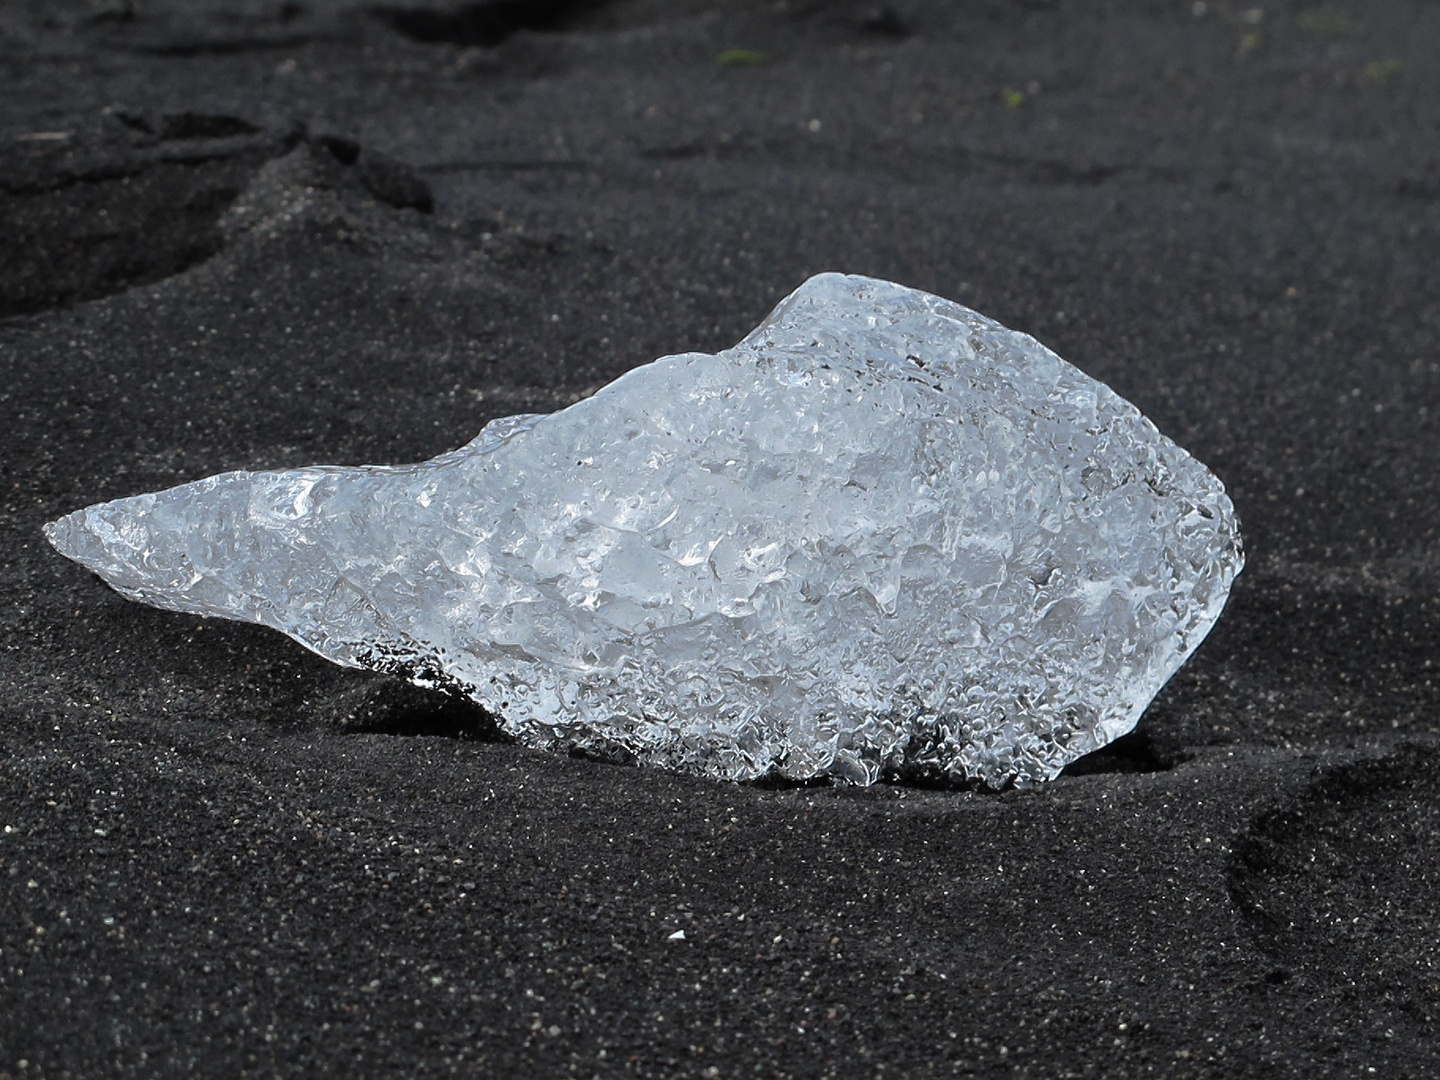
x=71 y=537
x=109 y=538
x=61 y=534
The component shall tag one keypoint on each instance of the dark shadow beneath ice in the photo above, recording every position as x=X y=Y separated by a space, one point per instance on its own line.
x=392 y=706
x=388 y=705
x=1132 y=753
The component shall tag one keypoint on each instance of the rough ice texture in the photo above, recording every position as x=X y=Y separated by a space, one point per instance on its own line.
x=883 y=534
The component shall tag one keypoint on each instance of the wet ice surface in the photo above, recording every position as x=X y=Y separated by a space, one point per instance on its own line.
x=883 y=534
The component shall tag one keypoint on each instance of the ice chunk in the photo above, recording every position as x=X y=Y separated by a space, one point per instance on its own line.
x=882 y=533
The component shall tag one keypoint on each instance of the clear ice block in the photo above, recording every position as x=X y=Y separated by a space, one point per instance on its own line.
x=882 y=534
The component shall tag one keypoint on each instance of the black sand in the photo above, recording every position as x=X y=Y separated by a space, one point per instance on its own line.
x=245 y=234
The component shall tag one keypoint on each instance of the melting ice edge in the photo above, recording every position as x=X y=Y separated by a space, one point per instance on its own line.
x=882 y=534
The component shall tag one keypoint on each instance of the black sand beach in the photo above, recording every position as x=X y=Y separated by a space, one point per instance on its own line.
x=247 y=234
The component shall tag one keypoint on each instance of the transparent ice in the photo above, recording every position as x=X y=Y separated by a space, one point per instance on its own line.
x=883 y=534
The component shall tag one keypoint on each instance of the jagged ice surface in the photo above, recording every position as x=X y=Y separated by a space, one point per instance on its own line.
x=881 y=533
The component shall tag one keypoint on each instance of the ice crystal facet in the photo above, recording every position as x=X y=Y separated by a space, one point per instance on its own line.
x=881 y=533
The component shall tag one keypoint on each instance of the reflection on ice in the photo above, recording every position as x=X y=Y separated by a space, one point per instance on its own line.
x=882 y=533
